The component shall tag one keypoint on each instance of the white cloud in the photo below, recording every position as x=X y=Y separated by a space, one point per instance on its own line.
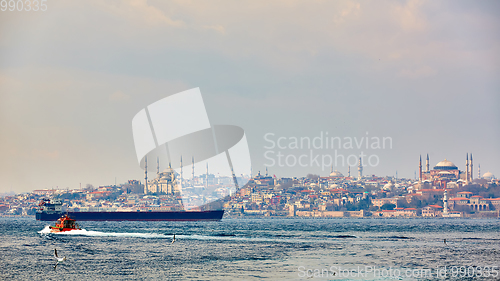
x=139 y=12
x=309 y=64
x=46 y=154
x=418 y=72
x=119 y=96
x=217 y=28
x=409 y=15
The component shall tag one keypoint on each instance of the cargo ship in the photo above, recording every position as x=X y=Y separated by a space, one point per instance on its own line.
x=51 y=210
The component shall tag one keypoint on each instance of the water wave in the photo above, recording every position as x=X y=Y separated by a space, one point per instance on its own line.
x=84 y=232
x=218 y=237
x=398 y=237
x=258 y=239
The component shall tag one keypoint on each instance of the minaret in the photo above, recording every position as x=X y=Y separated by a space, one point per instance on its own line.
x=172 y=179
x=206 y=183
x=467 y=169
x=479 y=171
x=181 y=173
x=360 y=169
x=348 y=171
x=471 y=169
x=445 y=203
x=157 y=165
x=192 y=160
x=331 y=170
x=420 y=170
x=427 y=163
x=146 y=175
x=266 y=171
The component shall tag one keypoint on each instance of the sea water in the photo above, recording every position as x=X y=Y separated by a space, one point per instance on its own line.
x=250 y=249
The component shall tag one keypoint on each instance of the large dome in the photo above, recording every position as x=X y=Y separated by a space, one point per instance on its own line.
x=445 y=165
x=388 y=186
x=336 y=174
x=167 y=171
x=488 y=176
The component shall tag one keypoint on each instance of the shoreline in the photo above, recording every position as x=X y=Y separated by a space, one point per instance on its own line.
x=320 y=218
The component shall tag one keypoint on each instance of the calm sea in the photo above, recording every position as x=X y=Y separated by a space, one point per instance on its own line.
x=249 y=249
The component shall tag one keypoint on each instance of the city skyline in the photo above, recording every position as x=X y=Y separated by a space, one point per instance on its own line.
x=200 y=177
x=419 y=72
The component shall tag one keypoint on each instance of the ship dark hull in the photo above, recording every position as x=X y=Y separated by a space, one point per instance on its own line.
x=135 y=216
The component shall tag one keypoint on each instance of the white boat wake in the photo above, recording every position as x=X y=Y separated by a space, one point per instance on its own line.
x=84 y=232
x=91 y=233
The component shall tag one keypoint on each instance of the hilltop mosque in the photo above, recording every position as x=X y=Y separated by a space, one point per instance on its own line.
x=337 y=174
x=488 y=176
x=167 y=182
x=446 y=171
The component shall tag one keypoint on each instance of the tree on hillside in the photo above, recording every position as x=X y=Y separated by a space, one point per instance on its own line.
x=388 y=206
x=312 y=177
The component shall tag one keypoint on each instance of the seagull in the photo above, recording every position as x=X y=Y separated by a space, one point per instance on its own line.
x=173 y=240
x=58 y=259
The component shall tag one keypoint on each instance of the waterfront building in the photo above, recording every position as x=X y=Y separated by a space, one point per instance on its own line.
x=432 y=211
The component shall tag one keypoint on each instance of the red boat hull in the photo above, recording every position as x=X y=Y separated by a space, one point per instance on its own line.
x=61 y=229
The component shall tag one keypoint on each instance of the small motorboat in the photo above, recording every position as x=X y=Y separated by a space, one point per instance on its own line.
x=65 y=224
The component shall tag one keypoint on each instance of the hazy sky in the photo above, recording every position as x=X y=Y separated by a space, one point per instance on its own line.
x=424 y=73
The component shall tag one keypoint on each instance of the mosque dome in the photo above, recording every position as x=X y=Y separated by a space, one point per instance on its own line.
x=488 y=176
x=336 y=174
x=445 y=165
x=388 y=186
x=167 y=171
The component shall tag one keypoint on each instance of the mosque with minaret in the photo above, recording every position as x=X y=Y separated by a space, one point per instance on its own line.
x=337 y=174
x=171 y=182
x=446 y=172
x=167 y=181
